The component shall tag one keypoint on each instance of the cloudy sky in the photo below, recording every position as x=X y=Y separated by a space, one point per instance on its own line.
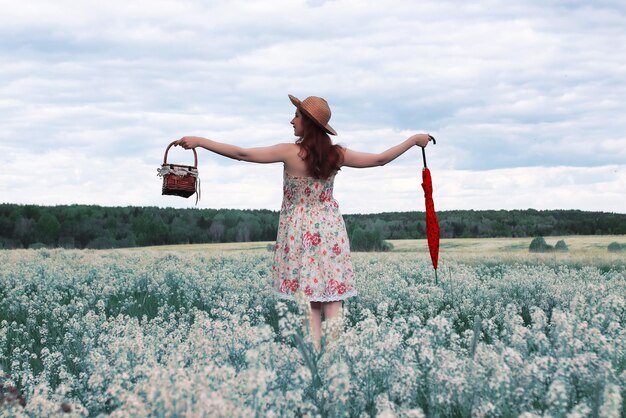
x=526 y=99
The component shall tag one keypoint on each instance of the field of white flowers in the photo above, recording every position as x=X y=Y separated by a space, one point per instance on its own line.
x=120 y=333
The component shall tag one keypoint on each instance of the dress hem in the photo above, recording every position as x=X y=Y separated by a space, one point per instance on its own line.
x=315 y=299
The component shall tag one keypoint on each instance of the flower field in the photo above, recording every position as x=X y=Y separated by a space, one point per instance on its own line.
x=147 y=333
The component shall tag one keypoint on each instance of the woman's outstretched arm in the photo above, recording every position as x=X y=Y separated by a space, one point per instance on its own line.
x=363 y=159
x=272 y=154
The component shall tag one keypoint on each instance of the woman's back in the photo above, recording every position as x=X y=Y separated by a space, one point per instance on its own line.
x=294 y=164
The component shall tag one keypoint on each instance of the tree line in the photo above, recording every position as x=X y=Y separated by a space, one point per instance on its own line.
x=98 y=227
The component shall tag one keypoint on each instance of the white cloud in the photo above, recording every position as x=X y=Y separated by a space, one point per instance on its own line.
x=399 y=189
x=502 y=86
x=66 y=177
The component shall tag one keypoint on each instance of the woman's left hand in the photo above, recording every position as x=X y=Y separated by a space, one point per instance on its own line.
x=420 y=139
x=188 y=142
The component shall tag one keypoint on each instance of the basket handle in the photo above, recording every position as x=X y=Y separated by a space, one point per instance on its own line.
x=195 y=155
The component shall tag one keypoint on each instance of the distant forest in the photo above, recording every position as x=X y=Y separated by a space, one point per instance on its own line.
x=82 y=226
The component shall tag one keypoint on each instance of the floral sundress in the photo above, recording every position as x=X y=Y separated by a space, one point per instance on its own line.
x=312 y=252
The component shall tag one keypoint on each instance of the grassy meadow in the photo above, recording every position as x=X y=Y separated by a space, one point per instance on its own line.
x=583 y=250
x=195 y=330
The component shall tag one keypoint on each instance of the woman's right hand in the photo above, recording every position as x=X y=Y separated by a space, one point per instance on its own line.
x=188 y=142
x=420 y=139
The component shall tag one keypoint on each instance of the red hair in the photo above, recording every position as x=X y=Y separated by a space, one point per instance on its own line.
x=322 y=158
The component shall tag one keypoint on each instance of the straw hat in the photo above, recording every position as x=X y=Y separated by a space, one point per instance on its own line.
x=316 y=109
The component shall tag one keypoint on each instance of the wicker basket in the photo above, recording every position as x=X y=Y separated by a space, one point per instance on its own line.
x=179 y=180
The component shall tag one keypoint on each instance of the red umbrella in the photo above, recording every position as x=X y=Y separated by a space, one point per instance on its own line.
x=432 y=224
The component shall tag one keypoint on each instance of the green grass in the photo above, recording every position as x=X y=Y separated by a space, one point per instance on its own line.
x=583 y=250
x=575 y=242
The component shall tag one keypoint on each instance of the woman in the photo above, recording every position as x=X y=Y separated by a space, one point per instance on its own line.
x=312 y=252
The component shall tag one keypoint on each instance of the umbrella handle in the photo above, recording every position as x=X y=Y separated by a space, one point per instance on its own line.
x=430 y=138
